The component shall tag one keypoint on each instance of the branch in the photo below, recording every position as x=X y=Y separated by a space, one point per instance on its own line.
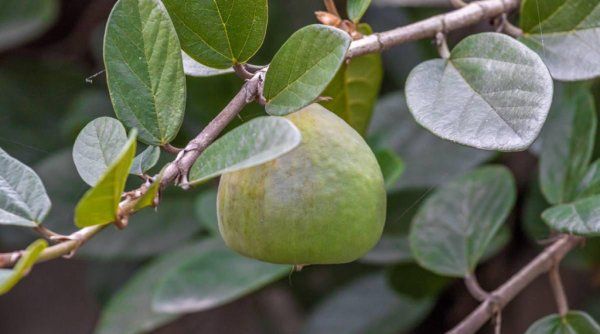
x=176 y=172
x=558 y=290
x=500 y=297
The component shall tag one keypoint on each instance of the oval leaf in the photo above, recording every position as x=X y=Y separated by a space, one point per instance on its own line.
x=145 y=160
x=10 y=277
x=492 y=93
x=580 y=217
x=565 y=33
x=455 y=225
x=97 y=146
x=212 y=278
x=100 y=204
x=144 y=69
x=24 y=20
x=366 y=306
x=303 y=68
x=23 y=198
x=354 y=89
x=253 y=143
x=195 y=69
x=574 y=322
x=567 y=143
x=357 y=8
x=220 y=33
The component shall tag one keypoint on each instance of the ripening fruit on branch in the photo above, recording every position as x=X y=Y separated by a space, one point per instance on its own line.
x=322 y=203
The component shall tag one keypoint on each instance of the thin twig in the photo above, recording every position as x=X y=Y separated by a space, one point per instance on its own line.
x=475 y=289
x=558 y=290
x=171 y=149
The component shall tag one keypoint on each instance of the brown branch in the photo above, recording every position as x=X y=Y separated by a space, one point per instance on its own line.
x=475 y=289
x=558 y=290
x=500 y=297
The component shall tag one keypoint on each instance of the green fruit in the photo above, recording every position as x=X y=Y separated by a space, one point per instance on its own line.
x=324 y=202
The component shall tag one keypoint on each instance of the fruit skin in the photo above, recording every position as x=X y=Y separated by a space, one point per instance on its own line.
x=322 y=203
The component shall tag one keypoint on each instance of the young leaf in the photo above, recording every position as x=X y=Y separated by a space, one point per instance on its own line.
x=391 y=165
x=220 y=33
x=367 y=306
x=212 y=278
x=144 y=69
x=429 y=160
x=357 y=8
x=148 y=198
x=23 y=198
x=97 y=146
x=567 y=143
x=253 y=143
x=195 y=69
x=492 y=93
x=455 y=225
x=303 y=68
x=580 y=217
x=10 y=277
x=565 y=34
x=574 y=322
x=24 y=20
x=145 y=160
x=355 y=87
x=100 y=204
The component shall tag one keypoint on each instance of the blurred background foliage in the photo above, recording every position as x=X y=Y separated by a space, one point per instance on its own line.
x=52 y=84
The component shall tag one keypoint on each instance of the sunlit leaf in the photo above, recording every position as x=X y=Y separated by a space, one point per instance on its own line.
x=574 y=322
x=492 y=93
x=303 y=67
x=97 y=146
x=219 y=33
x=212 y=278
x=144 y=69
x=100 y=204
x=10 y=277
x=23 y=198
x=455 y=225
x=24 y=20
x=565 y=33
x=253 y=143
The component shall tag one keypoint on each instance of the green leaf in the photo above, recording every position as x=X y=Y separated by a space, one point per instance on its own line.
x=455 y=225
x=212 y=278
x=24 y=20
x=357 y=8
x=100 y=204
x=492 y=93
x=574 y=322
x=195 y=69
x=590 y=183
x=355 y=87
x=252 y=143
x=130 y=310
x=23 y=198
x=220 y=33
x=366 y=306
x=580 y=217
x=410 y=280
x=567 y=143
x=10 y=277
x=205 y=209
x=145 y=160
x=144 y=69
x=429 y=160
x=534 y=205
x=391 y=165
x=97 y=146
x=565 y=33
x=303 y=67
x=148 y=198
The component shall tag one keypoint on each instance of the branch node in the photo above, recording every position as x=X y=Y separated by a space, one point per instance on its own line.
x=241 y=71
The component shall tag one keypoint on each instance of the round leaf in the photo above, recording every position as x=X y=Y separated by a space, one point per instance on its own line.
x=220 y=33
x=303 y=67
x=574 y=322
x=23 y=198
x=212 y=278
x=97 y=146
x=24 y=20
x=260 y=140
x=492 y=93
x=144 y=69
x=565 y=33
x=455 y=225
